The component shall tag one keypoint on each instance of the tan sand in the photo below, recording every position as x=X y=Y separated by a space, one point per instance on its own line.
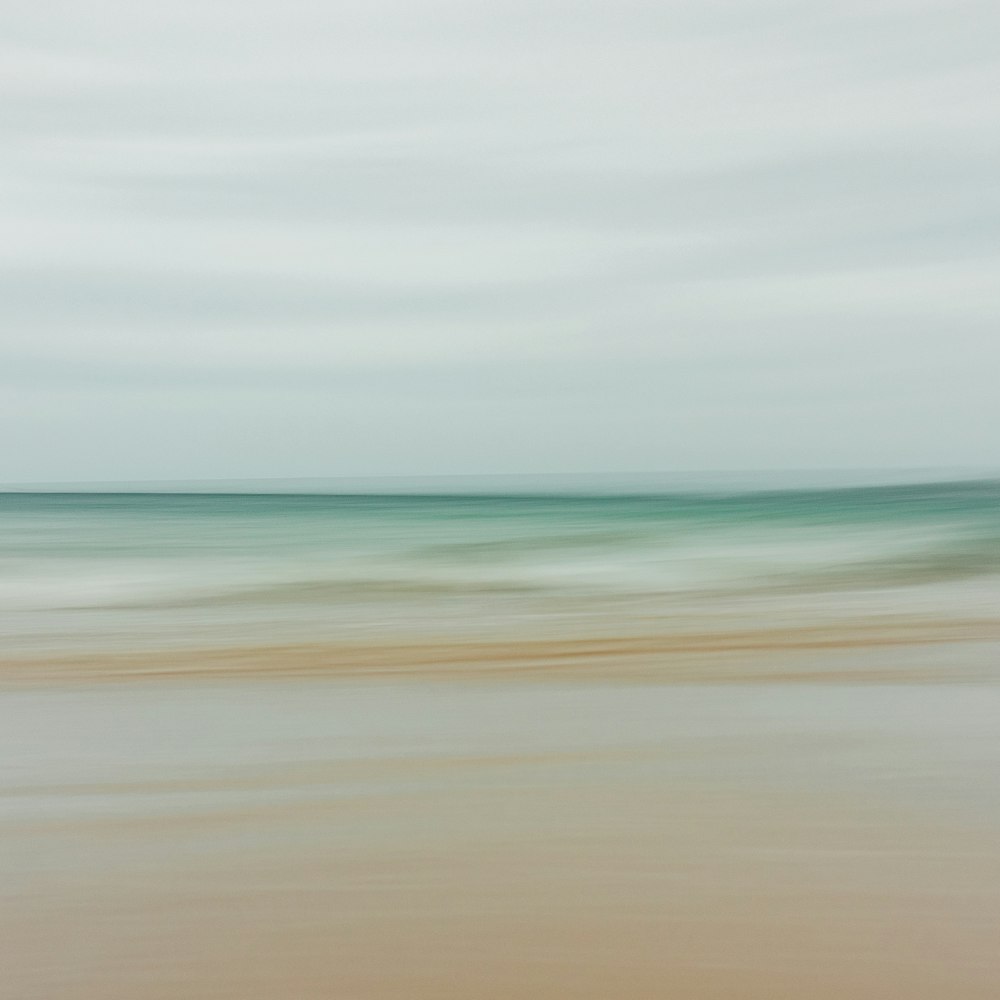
x=720 y=655
x=514 y=891
x=576 y=841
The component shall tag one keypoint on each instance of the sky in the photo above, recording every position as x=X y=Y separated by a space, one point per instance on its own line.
x=410 y=237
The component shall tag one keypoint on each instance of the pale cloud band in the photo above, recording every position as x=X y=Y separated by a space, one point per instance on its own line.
x=341 y=238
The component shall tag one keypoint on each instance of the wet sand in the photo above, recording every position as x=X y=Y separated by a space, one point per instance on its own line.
x=608 y=820
x=719 y=653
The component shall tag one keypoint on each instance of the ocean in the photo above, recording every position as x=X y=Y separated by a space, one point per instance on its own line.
x=133 y=570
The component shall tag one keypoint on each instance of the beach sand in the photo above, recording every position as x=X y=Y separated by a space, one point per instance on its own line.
x=723 y=652
x=771 y=813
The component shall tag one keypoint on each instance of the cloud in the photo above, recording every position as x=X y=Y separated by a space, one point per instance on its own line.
x=540 y=203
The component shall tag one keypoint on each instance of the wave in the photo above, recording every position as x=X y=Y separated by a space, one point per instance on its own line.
x=710 y=567
x=941 y=564
x=183 y=552
x=320 y=592
x=514 y=547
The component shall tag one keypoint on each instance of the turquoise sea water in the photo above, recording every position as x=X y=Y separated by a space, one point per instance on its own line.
x=152 y=568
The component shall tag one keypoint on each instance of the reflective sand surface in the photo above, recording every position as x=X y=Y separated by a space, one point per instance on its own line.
x=570 y=837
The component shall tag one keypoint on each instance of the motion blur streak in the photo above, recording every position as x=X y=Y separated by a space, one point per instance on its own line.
x=699 y=745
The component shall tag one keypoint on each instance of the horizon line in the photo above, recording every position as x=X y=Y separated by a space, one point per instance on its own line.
x=686 y=480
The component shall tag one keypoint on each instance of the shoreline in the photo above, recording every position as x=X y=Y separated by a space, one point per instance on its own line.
x=769 y=653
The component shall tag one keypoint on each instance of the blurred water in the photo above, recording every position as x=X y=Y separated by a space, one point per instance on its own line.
x=148 y=569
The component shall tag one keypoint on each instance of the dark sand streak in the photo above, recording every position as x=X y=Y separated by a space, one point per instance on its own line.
x=680 y=657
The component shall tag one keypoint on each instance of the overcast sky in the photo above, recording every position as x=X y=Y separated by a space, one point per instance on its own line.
x=363 y=237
